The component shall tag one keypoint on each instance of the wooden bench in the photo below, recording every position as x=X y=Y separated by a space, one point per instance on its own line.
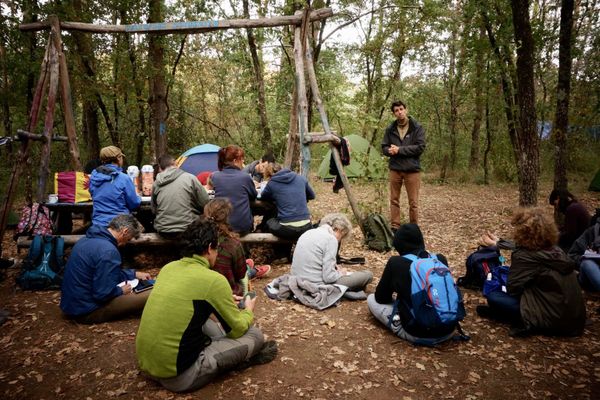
x=155 y=240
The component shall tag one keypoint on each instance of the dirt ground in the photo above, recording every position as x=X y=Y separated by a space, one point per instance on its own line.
x=341 y=352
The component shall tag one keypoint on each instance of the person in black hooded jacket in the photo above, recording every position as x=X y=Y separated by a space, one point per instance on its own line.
x=396 y=283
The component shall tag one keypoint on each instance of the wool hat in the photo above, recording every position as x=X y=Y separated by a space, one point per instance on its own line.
x=109 y=152
x=409 y=239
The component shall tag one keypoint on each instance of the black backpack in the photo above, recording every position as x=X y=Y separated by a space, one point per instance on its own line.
x=378 y=235
x=44 y=265
x=479 y=264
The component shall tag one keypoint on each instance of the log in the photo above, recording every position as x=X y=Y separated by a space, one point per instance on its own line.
x=299 y=34
x=183 y=27
x=24 y=135
x=44 y=170
x=312 y=77
x=326 y=138
x=65 y=97
x=155 y=240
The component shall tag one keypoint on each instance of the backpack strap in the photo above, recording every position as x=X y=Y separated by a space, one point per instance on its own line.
x=35 y=251
x=59 y=252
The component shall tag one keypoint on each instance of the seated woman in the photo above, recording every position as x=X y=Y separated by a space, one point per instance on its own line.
x=542 y=294
x=315 y=255
x=575 y=217
x=256 y=168
x=231 y=262
x=290 y=192
x=586 y=253
x=396 y=283
x=232 y=183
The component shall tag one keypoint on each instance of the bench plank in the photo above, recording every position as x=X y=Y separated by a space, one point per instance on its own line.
x=154 y=239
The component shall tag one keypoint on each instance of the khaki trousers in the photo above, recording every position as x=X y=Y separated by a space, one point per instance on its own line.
x=119 y=307
x=412 y=181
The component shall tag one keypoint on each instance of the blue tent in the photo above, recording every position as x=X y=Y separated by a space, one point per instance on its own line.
x=199 y=159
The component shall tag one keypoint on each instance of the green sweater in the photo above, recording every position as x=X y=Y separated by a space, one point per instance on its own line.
x=185 y=294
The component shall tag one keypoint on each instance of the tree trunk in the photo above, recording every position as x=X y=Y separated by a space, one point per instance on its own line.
x=563 y=92
x=4 y=90
x=30 y=15
x=479 y=104
x=528 y=140
x=261 y=105
x=158 y=87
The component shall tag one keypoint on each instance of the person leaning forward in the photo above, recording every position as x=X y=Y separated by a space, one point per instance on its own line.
x=178 y=344
x=403 y=142
x=90 y=291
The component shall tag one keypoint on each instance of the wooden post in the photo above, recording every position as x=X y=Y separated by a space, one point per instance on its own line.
x=44 y=170
x=23 y=154
x=65 y=96
x=302 y=101
x=312 y=77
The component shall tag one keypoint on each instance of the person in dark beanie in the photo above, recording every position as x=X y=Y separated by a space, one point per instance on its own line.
x=395 y=283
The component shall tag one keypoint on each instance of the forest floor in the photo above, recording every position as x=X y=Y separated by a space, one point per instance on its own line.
x=342 y=352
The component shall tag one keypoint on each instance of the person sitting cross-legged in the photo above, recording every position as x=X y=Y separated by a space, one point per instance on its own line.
x=178 y=343
x=90 y=289
x=314 y=257
x=395 y=284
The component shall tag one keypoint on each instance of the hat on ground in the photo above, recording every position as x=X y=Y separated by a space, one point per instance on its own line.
x=109 y=152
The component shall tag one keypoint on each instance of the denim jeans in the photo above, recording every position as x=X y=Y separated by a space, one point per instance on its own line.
x=505 y=306
x=589 y=275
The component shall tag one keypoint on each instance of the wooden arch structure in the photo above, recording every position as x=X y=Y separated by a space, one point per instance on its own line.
x=54 y=75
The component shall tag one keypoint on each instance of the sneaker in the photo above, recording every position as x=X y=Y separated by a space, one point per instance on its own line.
x=520 y=331
x=260 y=271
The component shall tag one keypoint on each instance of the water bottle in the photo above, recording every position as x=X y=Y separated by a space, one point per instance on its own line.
x=134 y=174
x=147 y=180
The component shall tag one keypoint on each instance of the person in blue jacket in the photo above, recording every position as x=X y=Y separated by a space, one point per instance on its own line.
x=92 y=289
x=290 y=192
x=112 y=190
x=232 y=183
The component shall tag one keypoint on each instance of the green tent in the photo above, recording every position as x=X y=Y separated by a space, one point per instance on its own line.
x=365 y=160
x=595 y=183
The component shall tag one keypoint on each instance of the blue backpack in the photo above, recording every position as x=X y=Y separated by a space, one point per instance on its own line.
x=479 y=264
x=44 y=265
x=496 y=281
x=436 y=301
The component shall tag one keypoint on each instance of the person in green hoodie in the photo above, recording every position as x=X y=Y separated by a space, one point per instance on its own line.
x=178 y=198
x=191 y=328
x=542 y=294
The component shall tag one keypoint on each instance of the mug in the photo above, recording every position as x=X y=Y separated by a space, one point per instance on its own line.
x=52 y=198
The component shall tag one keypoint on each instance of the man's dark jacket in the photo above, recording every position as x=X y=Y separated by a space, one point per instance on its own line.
x=411 y=147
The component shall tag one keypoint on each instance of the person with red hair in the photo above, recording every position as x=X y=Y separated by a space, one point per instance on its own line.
x=232 y=183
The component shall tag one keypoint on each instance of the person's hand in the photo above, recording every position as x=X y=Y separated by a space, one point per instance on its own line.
x=342 y=271
x=250 y=303
x=393 y=149
x=488 y=239
x=142 y=275
x=126 y=288
x=237 y=299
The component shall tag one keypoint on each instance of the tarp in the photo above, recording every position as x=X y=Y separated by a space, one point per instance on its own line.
x=595 y=183
x=365 y=160
x=200 y=158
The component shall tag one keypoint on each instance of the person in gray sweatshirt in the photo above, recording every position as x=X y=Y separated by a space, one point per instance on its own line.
x=315 y=255
x=178 y=198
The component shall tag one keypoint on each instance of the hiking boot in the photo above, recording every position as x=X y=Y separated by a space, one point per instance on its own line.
x=265 y=355
x=352 y=295
x=519 y=331
x=259 y=271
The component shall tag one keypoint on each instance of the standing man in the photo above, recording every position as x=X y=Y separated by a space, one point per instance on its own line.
x=112 y=191
x=404 y=142
x=178 y=198
x=93 y=290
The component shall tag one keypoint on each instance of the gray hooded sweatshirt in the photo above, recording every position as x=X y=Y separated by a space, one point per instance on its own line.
x=178 y=199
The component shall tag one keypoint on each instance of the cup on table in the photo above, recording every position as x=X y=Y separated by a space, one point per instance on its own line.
x=52 y=198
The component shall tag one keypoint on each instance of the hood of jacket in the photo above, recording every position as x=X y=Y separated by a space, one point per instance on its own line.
x=409 y=239
x=553 y=258
x=284 y=176
x=168 y=176
x=104 y=173
x=100 y=232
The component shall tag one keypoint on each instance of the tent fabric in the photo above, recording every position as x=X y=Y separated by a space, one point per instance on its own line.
x=199 y=159
x=595 y=183
x=365 y=160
